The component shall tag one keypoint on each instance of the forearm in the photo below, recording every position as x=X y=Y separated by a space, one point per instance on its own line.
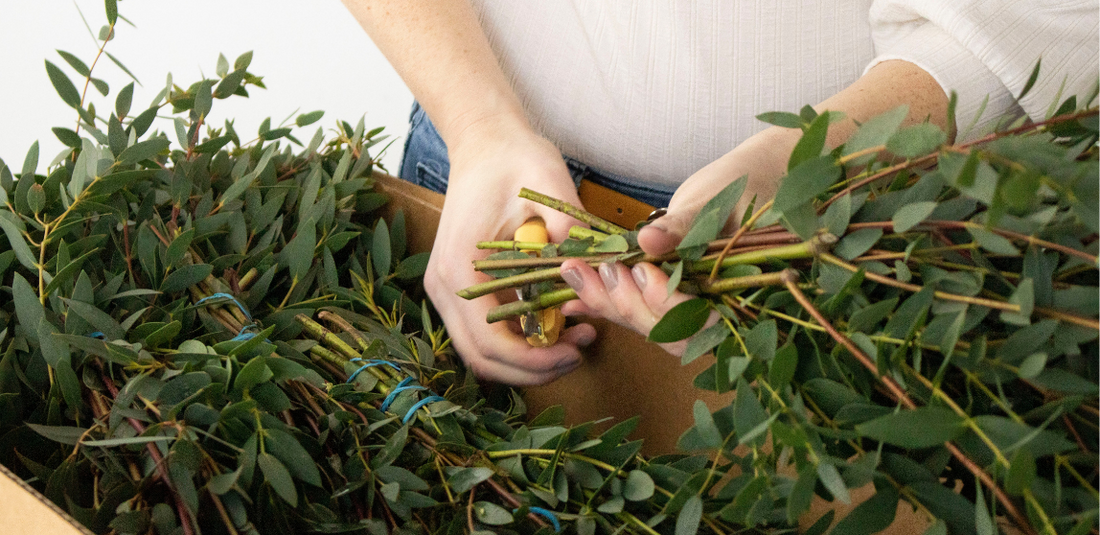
x=885 y=87
x=439 y=50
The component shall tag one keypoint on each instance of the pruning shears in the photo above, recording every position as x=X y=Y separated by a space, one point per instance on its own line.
x=540 y=327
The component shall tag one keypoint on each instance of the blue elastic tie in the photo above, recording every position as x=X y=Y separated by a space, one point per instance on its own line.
x=98 y=335
x=220 y=295
x=545 y=513
x=401 y=387
x=421 y=403
x=370 y=364
x=242 y=336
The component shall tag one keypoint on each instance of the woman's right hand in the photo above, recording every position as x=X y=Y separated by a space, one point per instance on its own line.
x=490 y=161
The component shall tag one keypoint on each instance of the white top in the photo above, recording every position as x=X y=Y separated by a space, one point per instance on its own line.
x=656 y=89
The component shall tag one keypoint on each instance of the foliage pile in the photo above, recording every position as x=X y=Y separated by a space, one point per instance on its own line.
x=223 y=337
x=906 y=312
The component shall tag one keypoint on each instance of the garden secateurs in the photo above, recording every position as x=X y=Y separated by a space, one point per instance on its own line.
x=540 y=327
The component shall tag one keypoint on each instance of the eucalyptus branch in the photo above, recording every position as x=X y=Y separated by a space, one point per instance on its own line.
x=900 y=396
x=570 y=210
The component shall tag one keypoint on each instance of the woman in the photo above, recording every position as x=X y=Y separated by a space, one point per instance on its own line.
x=656 y=99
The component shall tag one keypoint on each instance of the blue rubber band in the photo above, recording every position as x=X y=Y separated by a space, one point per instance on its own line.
x=98 y=335
x=221 y=295
x=401 y=387
x=370 y=364
x=242 y=336
x=421 y=403
x=545 y=513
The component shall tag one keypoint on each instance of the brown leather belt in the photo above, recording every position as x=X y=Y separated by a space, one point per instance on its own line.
x=618 y=208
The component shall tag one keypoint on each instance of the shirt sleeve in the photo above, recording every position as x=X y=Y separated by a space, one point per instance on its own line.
x=985 y=51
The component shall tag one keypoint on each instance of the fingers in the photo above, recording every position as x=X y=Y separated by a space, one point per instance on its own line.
x=633 y=297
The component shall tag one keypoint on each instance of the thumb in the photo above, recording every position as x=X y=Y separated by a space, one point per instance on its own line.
x=665 y=233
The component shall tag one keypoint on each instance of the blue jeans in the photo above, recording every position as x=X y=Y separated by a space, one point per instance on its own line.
x=426 y=164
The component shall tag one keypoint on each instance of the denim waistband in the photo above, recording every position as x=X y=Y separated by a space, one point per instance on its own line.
x=426 y=163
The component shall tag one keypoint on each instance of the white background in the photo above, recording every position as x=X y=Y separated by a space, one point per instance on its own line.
x=312 y=55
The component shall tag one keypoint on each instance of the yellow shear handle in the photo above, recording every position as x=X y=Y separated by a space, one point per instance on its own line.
x=551 y=320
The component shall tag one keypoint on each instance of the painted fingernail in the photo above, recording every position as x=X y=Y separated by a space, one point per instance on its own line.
x=639 y=276
x=609 y=275
x=573 y=279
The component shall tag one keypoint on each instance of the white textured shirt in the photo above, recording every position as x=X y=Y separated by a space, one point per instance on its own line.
x=656 y=89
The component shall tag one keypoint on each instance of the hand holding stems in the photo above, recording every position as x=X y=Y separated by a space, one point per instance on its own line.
x=636 y=298
x=487 y=171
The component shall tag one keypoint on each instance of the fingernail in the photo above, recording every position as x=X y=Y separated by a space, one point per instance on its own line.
x=609 y=275
x=573 y=279
x=639 y=276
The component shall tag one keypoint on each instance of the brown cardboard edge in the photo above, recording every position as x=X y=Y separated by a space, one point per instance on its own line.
x=23 y=511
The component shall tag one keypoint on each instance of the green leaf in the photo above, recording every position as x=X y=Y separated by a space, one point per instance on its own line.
x=58 y=433
x=614 y=243
x=298 y=461
x=810 y=179
x=492 y=514
x=298 y=254
x=18 y=243
x=802 y=493
x=857 y=243
x=705 y=427
x=212 y=145
x=185 y=277
x=276 y=475
x=1031 y=80
x=675 y=278
x=916 y=140
x=97 y=318
x=1021 y=472
x=252 y=374
x=306 y=119
x=781 y=118
x=1032 y=366
x=872 y=516
x=28 y=309
x=682 y=321
x=762 y=340
x=638 y=486
x=832 y=481
x=243 y=61
x=68 y=271
x=710 y=220
x=123 y=100
x=75 y=63
x=464 y=479
x=937 y=425
x=705 y=341
x=68 y=137
x=143 y=150
x=230 y=84
x=783 y=366
x=112 y=11
x=687 y=521
x=875 y=132
x=910 y=315
x=748 y=413
x=992 y=242
x=911 y=215
x=838 y=214
x=63 y=85
x=241 y=184
x=203 y=100
x=983 y=523
x=812 y=142
x=127 y=441
x=380 y=250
